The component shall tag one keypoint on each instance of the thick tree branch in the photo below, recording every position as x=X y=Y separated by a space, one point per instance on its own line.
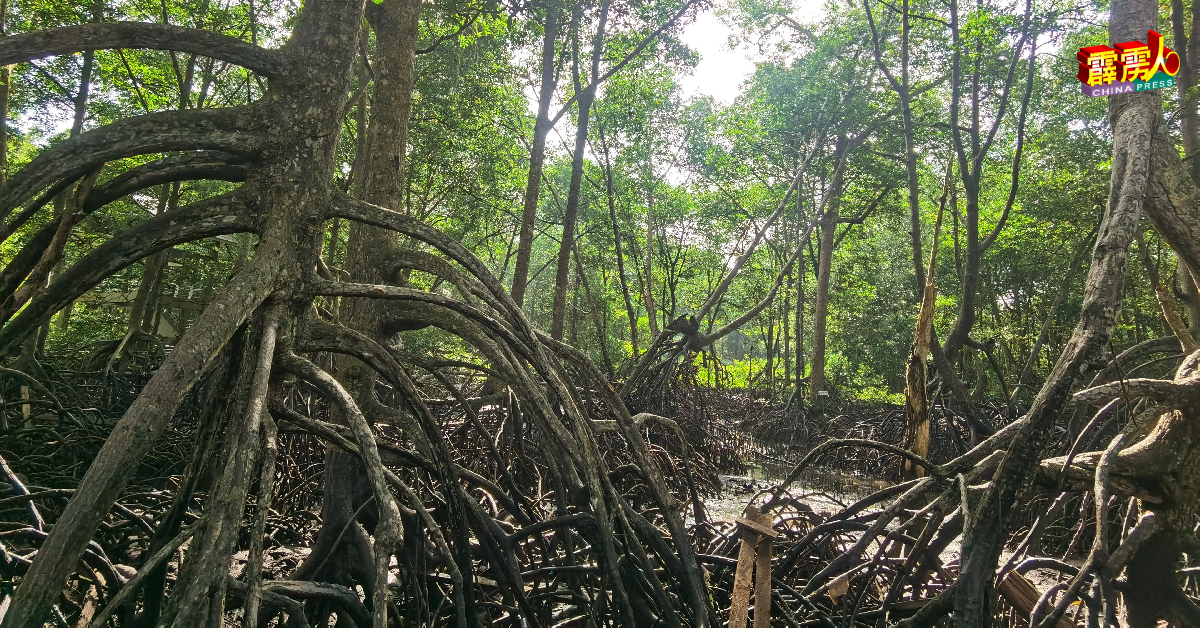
x=230 y=130
x=221 y=215
x=100 y=36
x=378 y=291
x=185 y=167
x=1172 y=394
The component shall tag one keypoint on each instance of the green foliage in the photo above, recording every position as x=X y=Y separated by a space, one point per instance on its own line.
x=688 y=180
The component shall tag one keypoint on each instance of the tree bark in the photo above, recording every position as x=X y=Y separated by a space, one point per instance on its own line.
x=1187 y=49
x=610 y=192
x=800 y=272
x=1134 y=118
x=586 y=96
x=537 y=155
x=828 y=222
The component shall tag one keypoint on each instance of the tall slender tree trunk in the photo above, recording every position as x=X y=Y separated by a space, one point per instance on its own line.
x=610 y=192
x=5 y=86
x=786 y=319
x=537 y=155
x=800 y=304
x=1191 y=298
x=970 y=278
x=828 y=223
x=910 y=157
x=587 y=95
x=648 y=285
x=901 y=85
x=769 y=368
x=1188 y=49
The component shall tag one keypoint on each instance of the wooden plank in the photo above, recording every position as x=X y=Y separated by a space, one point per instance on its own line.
x=1022 y=596
x=744 y=575
x=762 y=584
x=759 y=527
x=742 y=580
x=26 y=409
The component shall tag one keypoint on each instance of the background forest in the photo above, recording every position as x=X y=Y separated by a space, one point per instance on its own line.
x=463 y=312
x=677 y=187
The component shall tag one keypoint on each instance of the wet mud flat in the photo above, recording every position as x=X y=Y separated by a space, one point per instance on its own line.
x=826 y=491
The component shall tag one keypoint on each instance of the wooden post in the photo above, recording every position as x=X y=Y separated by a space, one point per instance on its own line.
x=744 y=574
x=762 y=581
x=26 y=411
x=753 y=556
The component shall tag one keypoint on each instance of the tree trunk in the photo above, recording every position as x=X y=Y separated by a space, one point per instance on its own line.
x=786 y=320
x=648 y=285
x=1191 y=298
x=910 y=155
x=769 y=369
x=1134 y=118
x=537 y=155
x=902 y=88
x=800 y=272
x=342 y=552
x=586 y=96
x=1187 y=49
x=828 y=223
x=970 y=277
x=610 y=193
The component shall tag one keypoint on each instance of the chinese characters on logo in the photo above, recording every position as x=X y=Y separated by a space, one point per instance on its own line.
x=1129 y=67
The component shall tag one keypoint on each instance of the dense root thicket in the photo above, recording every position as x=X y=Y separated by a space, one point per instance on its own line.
x=887 y=555
x=290 y=461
